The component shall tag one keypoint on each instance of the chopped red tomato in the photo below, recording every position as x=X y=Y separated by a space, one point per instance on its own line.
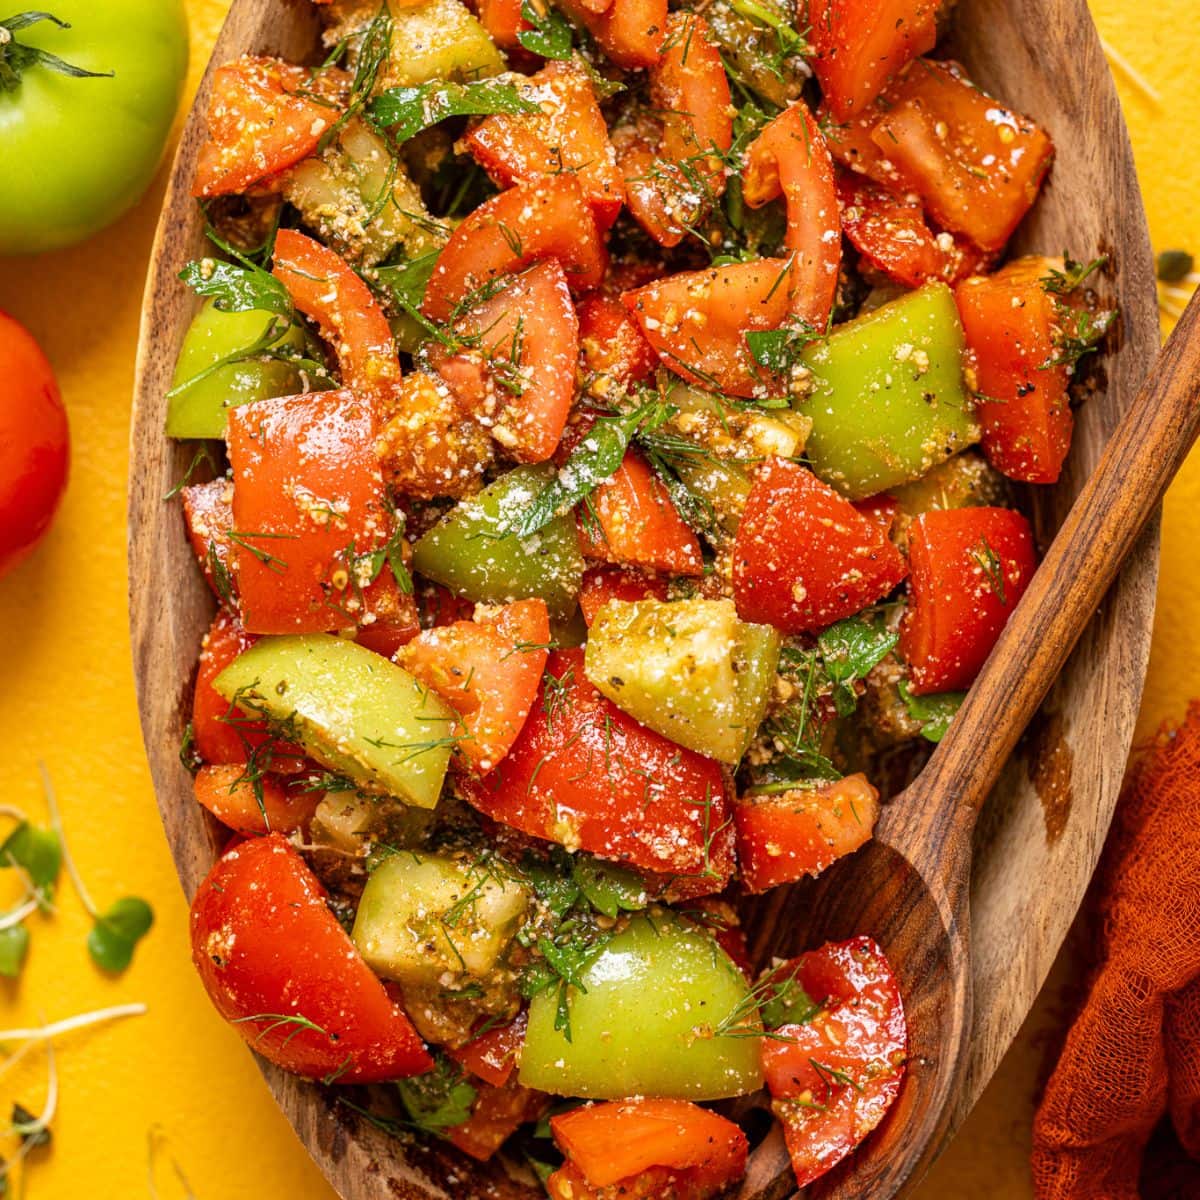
x=392 y=619
x=324 y=287
x=630 y=32
x=861 y=44
x=279 y=967
x=440 y=606
x=495 y=1053
x=970 y=567
x=548 y=218
x=835 y=1076
x=1010 y=322
x=790 y=158
x=569 y=134
x=636 y=524
x=891 y=233
x=498 y=1112
x=309 y=507
x=208 y=515
x=976 y=165
x=488 y=670
x=686 y=1151
x=256 y=805
x=697 y=322
x=602 y=584
x=220 y=732
x=804 y=557
x=881 y=509
x=587 y=775
x=672 y=158
x=613 y=354
x=783 y=837
x=258 y=124
x=516 y=374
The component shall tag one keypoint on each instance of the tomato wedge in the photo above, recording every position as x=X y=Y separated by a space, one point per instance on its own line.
x=861 y=44
x=1024 y=407
x=624 y=1147
x=790 y=158
x=324 y=287
x=253 y=807
x=488 y=671
x=697 y=322
x=613 y=354
x=586 y=775
x=834 y=1077
x=518 y=375
x=548 y=218
x=258 y=125
x=804 y=557
x=279 y=967
x=970 y=567
x=569 y=134
x=602 y=584
x=208 y=515
x=636 y=523
x=630 y=32
x=782 y=838
x=308 y=504
x=494 y=1054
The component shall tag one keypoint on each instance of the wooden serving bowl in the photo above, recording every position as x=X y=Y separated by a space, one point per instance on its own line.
x=1041 y=833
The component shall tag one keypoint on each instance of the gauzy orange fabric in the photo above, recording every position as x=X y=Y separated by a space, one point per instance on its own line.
x=1133 y=1054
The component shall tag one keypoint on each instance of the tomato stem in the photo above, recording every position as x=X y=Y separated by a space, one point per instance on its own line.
x=15 y=57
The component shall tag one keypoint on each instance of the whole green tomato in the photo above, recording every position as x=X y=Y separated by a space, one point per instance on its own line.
x=88 y=91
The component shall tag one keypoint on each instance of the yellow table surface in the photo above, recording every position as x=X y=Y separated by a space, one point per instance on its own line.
x=68 y=699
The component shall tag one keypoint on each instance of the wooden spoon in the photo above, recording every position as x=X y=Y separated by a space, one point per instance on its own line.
x=909 y=887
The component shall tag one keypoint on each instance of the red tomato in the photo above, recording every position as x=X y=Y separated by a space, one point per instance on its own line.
x=970 y=567
x=834 y=1077
x=488 y=671
x=630 y=32
x=392 y=620
x=208 y=515
x=34 y=444
x=324 y=287
x=518 y=377
x=891 y=233
x=1010 y=321
x=569 y=134
x=697 y=322
x=308 y=502
x=548 y=218
x=861 y=44
x=782 y=838
x=613 y=354
x=602 y=584
x=638 y=524
x=790 y=158
x=221 y=733
x=276 y=964
x=503 y=21
x=609 y=1145
x=498 y=1112
x=254 y=807
x=258 y=124
x=494 y=1054
x=804 y=557
x=585 y=774
x=672 y=159
x=881 y=509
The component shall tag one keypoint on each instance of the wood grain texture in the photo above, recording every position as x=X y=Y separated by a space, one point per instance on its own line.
x=1041 y=830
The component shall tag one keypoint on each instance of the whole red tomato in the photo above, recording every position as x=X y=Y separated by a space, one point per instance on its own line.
x=33 y=443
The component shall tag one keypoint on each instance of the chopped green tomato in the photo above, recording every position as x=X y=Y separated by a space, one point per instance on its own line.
x=439 y=39
x=665 y=1014
x=352 y=710
x=963 y=481
x=423 y=916
x=469 y=552
x=360 y=201
x=348 y=821
x=688 y=669
x=888 y=401
x=197 y=409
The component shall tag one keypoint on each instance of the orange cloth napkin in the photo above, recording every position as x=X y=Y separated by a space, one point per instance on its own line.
x=1121 y=1114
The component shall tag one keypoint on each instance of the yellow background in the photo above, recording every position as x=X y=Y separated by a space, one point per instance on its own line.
x=67 y=698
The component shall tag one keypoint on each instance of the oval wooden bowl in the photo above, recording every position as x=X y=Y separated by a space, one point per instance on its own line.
x=1041 y=833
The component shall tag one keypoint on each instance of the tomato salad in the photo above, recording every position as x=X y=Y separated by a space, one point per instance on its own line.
x=610 y=418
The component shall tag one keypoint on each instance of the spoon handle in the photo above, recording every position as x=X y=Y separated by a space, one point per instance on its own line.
x=1142 y=457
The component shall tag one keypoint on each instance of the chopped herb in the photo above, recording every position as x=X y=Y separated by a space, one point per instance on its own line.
x=933 y=712
x=440 y=1099
x=405 y=111
x=238 y=287
x=1062 y=283
x=780 y=350
x=551 y=33
x=992 y=566
x=373 y=51
x=849 y=650
x=610 y=889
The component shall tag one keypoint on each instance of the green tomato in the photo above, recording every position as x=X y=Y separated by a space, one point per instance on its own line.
x=79 y=151
x=666 y=1014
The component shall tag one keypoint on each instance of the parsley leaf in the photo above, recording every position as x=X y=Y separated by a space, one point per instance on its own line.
x=551 y=33
x=934 y=712
x=440 y=1099
x=609 y=889
x=405 y=111
x=238 y=287
x=408 y=280
x=849 y=650
x=779 y=350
